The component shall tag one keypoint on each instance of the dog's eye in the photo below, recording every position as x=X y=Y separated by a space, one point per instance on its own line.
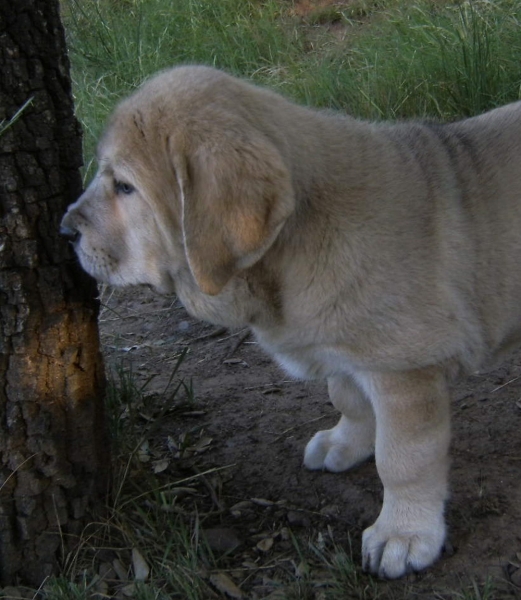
x=120 y=187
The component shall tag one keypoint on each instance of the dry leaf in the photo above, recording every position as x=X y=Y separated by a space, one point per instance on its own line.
x=301 y=570
x=262 y=502
x=265 y=545
x=101 y=587
x=226 y=585
x=202 y=445
x=172 y=444
x=516 y=578
x=144 y=452
x=241 y=508
x=129 y=590
x=249 y=564
x=145 y=416
x=140 y=565
x=121 y=572
x=158 y=466
x=181 y=491
x=321 y=541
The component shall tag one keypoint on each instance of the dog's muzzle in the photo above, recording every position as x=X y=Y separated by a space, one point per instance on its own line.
x=71 y=235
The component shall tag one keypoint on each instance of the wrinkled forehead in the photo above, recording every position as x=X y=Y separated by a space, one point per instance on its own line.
x=135 y=150
x=117 y=168
x=120 y=133
x=177 y=102
x=125 y=143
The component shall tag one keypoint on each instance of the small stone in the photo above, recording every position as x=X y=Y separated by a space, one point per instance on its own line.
x=515 y=578
x=298 y=519
x=221 y=539
x=262 y=502
x=241 y=508
x=330 y=510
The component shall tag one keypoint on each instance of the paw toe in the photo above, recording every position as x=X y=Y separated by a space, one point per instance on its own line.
x=391 y=557
x=325 y=452
x=316 y=451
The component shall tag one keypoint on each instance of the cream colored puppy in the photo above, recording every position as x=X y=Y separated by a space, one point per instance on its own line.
x=383 y=257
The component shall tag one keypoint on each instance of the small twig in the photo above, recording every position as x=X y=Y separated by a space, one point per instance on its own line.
x=229 y=337
x=169 y=509
x=268 y=385
x=505 y=384
x=212 y=334
x=40 y=588
x=239 y=343
x=118 y=315
x=299 y=425
x=119 y=337
x=220 y=506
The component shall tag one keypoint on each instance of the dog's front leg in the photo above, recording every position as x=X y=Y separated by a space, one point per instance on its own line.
x=412 y=441
x=351 y=440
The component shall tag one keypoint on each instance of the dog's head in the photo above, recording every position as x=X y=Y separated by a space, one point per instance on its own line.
x=188 y=182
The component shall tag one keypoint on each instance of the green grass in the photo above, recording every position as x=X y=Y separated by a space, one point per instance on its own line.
x=115 y=44
x=6 y=123
x=424 y=59
x=392 y=60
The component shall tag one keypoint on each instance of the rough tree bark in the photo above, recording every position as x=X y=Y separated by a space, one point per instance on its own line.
x=53 y=445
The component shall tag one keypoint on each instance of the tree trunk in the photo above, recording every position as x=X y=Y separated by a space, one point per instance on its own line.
x=53 y=443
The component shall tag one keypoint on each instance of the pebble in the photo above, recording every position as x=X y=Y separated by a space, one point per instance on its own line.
x=298 y=519
x=221 y=539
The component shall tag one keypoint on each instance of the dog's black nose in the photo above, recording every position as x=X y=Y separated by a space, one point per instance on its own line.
x=72 y=235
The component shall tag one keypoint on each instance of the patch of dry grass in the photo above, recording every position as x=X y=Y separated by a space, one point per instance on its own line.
x=163 y=535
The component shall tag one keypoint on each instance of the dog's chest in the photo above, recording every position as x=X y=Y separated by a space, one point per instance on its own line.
x=312 y=364
x=308 y=360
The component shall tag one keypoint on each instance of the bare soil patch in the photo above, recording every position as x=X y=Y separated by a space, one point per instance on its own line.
x=251 y=421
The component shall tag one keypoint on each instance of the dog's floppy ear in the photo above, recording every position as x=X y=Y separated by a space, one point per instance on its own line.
x=236 y=197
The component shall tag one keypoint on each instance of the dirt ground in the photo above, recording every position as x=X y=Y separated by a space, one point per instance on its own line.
x=252 y=421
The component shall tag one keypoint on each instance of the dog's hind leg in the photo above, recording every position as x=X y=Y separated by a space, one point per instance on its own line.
x=352 y=439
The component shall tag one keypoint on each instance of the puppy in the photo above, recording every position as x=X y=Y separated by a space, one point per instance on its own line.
x=383 y=257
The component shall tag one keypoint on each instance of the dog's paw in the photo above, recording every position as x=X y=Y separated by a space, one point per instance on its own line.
x=391 y=553
x=340 y=448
